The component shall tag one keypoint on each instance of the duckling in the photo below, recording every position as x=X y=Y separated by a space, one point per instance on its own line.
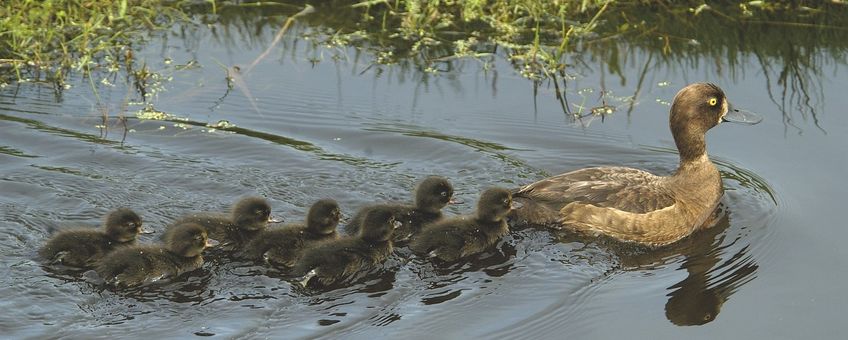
x=431 y=195
x=283 y=246
x=340 y=260
x=249 y=216
x=452 y=239
x=137 y=265
x=633 y=205
x=83 y=247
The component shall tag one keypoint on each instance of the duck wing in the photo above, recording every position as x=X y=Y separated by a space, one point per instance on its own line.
x=626 y=189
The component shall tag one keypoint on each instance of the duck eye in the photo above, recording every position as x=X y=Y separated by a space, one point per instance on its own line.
x=713 y=101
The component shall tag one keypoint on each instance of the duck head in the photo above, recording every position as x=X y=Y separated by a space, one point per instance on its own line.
x=323 y=217
x=433 y=194
x=696 y=109
x=378 y=225
x=252 y=213
x=123 y=225
x=494 y=204
x=188 y=239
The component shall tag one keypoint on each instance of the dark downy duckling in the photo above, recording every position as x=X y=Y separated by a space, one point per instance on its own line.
x=431 y=195
x=341 y=260
x=137 y=265
x=458 y=237
x=284 y=246
x=633 y=205
x=248 y=218
x=83 y=247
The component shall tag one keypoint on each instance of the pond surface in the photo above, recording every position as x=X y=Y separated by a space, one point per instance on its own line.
x=773 y=267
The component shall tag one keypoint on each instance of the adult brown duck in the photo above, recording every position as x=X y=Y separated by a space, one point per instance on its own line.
x=633 y=205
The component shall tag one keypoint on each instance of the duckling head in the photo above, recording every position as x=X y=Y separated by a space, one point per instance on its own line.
x=252 y=213
x=494 y=204
x=123 y=225
x=378 y=225
x=433 y=193
x=323 y=217
x=188 y=239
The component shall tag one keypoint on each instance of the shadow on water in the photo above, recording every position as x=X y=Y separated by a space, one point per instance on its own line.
x=188 y=288
x=713 y=274
x=792 y=47
x=715 y=269
x=37 y=125
x=245 y=299
x=6 y=150
x=494 y=149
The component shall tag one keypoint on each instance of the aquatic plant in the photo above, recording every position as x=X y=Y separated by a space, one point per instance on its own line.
x=546 y=42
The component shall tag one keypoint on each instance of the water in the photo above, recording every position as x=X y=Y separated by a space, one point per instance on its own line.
x=770 y=268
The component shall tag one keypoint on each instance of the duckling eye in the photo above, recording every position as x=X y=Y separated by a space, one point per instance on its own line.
x=713 y=101
x=444 y=193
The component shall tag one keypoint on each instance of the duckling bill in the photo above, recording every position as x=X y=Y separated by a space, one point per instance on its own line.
x=452 y=239
x=284 y=246
x=341 y=260
x=138 y=265
x=633 y=205
x=431 y=196
x=84 y=247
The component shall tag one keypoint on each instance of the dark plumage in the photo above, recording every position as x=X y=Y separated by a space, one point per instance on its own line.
x=83 y=247
x=249 y=216
x=341 y=260
x=284 y=246
x=136 y=265
x=634 y=205
x=431 y=195
x=458 y=237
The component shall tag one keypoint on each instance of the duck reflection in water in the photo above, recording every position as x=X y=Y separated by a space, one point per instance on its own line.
x=716 y=268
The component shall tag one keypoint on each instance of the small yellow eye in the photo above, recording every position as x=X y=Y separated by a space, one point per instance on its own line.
x=713 y=101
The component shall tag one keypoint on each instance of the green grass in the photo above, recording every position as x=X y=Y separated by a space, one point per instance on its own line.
x=544 y=40
x=44 y=40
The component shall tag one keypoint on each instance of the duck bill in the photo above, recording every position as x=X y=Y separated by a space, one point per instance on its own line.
x=396 y=224
x=211 y=243
x=274 y=219
x=454 y=200
x=515 y=205
x=146 y=230
x=740 y=116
